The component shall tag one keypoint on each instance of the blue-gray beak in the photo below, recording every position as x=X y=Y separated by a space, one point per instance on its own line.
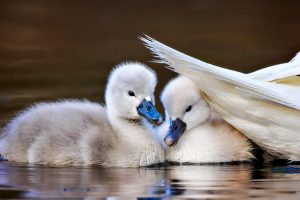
x=148 y=111
x=176 y=129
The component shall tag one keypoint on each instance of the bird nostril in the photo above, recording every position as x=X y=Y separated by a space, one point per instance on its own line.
x=175 y=126
x=148 y=107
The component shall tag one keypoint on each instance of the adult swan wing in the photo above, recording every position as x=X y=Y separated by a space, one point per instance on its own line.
x=266 y=112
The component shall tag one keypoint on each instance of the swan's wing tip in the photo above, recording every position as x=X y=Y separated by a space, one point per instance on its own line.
x=148 y=41
x=145 y=38
x=296 y=58
x=158 y=49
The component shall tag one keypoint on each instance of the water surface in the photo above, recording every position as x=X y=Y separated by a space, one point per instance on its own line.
x=208 y=182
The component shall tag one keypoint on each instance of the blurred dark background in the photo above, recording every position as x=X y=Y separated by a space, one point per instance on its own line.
x=56 y=49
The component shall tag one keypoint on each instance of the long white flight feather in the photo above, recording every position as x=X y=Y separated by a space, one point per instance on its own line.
x=280 y=71
x=192 y=67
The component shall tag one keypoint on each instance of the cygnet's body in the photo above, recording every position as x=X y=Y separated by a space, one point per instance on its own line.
x=202 y=136
x=82 y=133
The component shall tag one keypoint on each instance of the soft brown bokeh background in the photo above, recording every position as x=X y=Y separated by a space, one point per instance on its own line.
x=54 y=49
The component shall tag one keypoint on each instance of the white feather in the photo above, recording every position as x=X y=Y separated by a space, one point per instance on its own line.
x=192 y=67
x=279 y=71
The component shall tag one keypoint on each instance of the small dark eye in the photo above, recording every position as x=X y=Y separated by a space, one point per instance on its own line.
x=130 y=93
x=188 y=109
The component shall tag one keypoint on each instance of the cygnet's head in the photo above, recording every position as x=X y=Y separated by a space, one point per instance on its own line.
x=184 y=106
x=130 y=93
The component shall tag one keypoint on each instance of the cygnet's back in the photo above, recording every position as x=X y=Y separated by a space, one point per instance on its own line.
x=51 y=133
x=196 y=133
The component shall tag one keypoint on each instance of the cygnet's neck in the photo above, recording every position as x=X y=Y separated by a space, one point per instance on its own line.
x=130 y=130
x=212 y=118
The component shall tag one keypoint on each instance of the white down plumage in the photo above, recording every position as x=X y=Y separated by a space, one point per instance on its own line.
x=202 y=135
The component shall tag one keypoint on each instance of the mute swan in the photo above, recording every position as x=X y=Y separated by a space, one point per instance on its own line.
x=266 y=112
x=85 y=133
x=204 y=136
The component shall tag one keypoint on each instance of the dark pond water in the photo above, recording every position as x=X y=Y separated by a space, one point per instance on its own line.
x=56 y=49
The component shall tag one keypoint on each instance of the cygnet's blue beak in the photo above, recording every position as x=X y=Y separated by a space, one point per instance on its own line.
x=148 y=111
x=176 y=129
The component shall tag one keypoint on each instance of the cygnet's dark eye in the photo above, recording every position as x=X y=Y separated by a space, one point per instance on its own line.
x=188 y=109
x=130 y=93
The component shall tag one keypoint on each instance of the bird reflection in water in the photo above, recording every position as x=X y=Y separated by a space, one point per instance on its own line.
x=187 y=181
